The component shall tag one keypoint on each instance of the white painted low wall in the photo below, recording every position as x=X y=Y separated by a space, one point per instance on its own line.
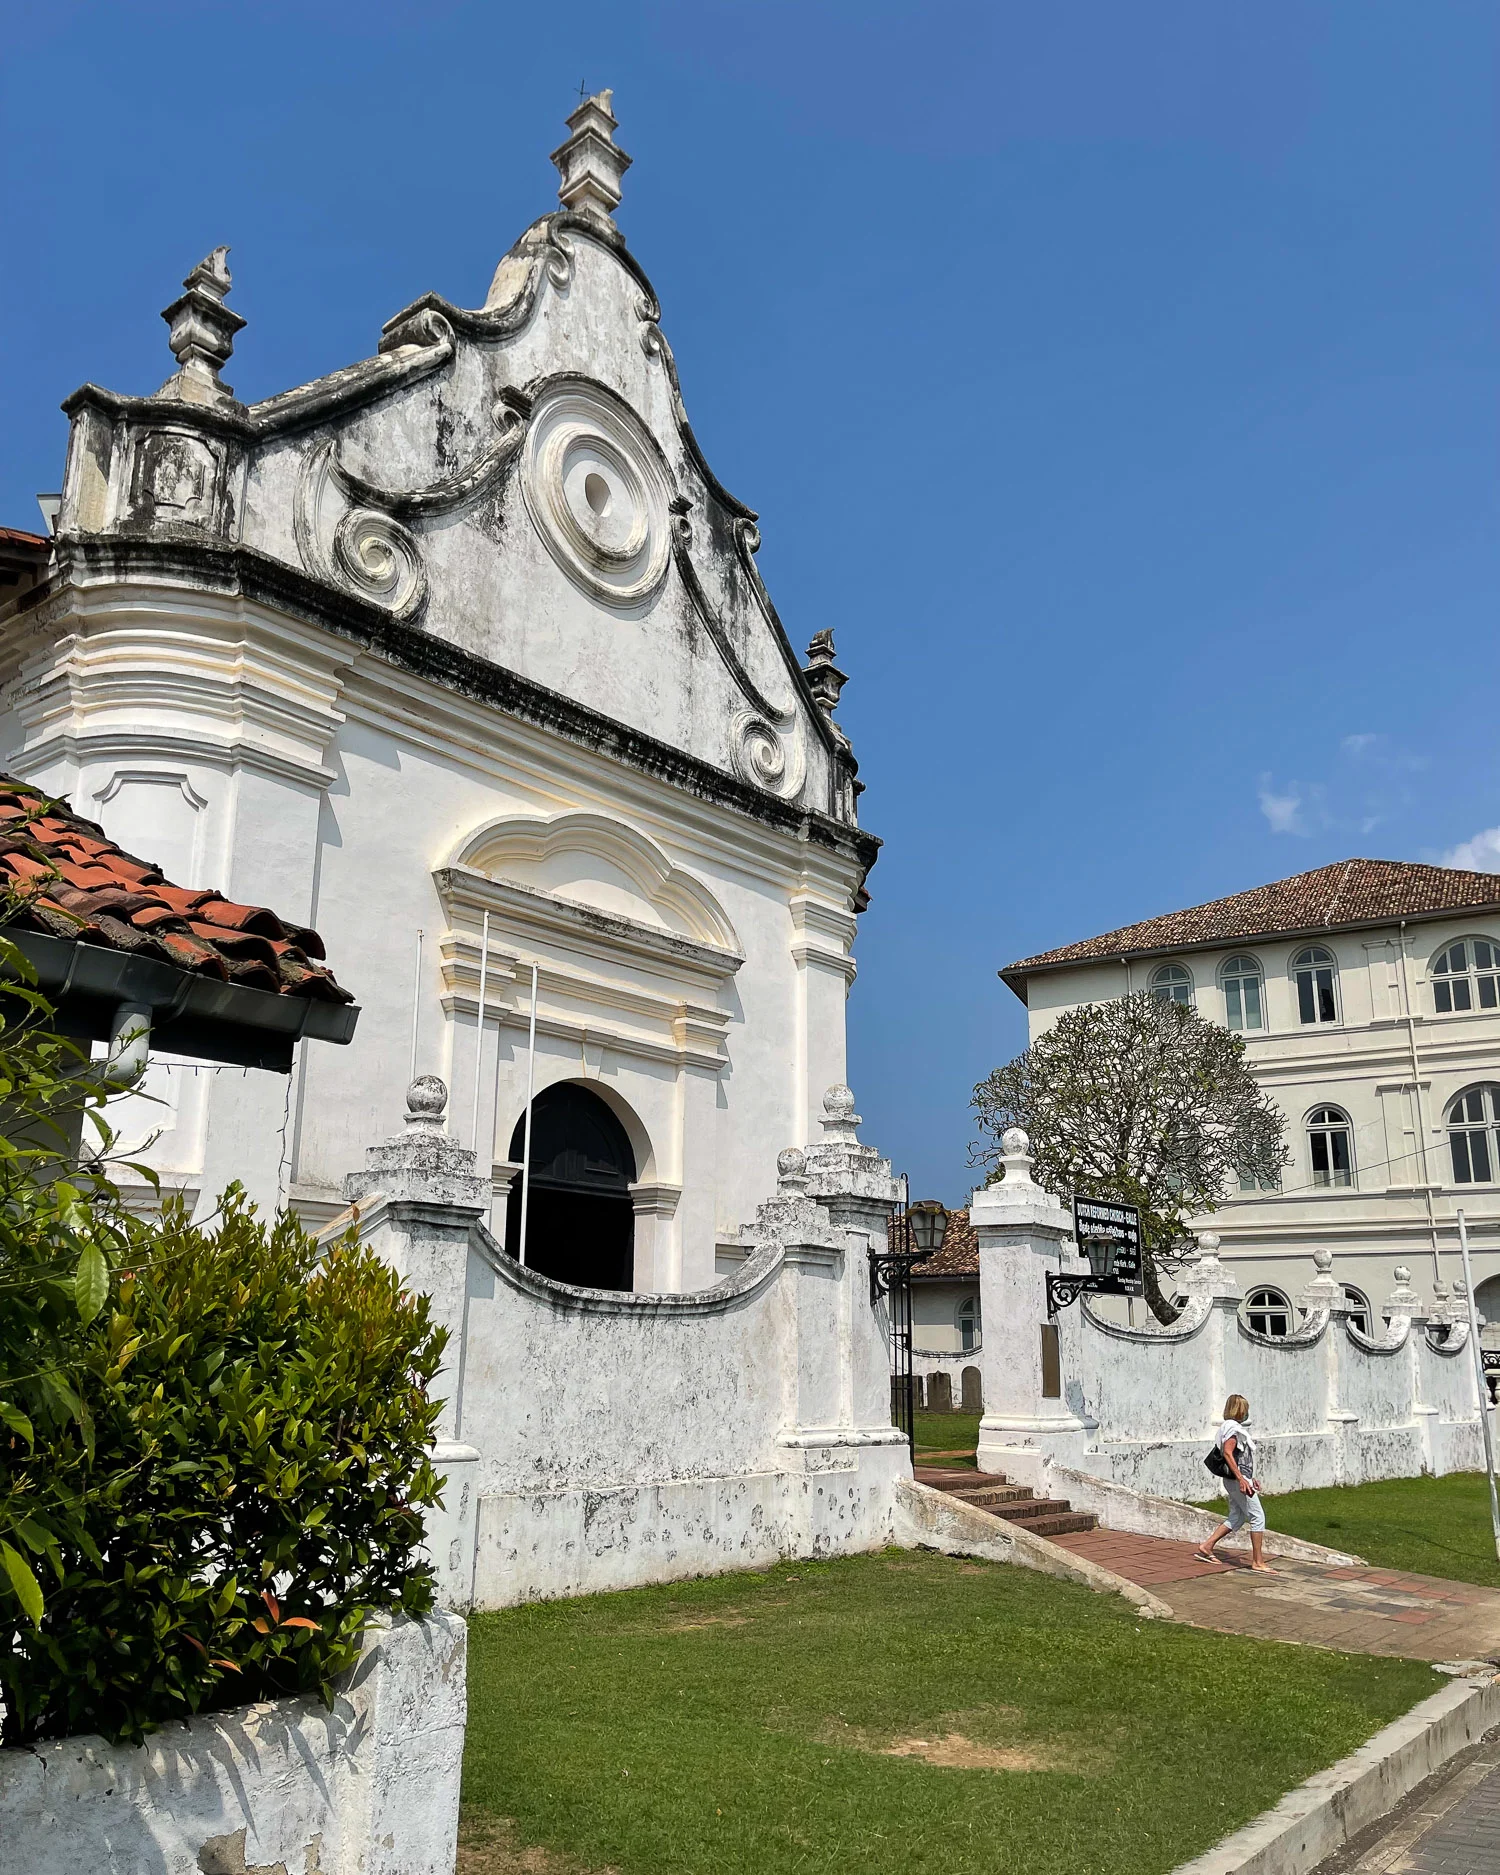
x=596 y=1440
x=1139 y=1407
x=370 y=1788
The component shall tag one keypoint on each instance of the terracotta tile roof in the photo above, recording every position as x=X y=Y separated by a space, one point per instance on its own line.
x=1350 y=892
x=959 y=1256
x=62 y=875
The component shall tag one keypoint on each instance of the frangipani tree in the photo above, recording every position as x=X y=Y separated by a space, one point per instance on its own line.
x=1141 y=1100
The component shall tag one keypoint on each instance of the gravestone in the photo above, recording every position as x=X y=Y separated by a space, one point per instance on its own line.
x=940 y=1393
x=972 y=1390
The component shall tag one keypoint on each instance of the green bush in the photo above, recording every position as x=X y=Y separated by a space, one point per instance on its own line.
x=260 y=1425
x=62 y=1228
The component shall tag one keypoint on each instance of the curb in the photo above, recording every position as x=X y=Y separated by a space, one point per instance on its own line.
x=1323 y=1814
x=928 y=1519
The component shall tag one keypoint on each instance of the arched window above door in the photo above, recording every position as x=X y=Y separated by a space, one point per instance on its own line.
x=580 y=1223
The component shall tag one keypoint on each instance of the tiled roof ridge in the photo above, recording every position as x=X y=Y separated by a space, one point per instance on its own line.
x=62 y=875
x=1345 y=892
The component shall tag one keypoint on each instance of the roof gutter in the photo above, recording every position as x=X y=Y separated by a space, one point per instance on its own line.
x=122 y=998
x=1014 y=976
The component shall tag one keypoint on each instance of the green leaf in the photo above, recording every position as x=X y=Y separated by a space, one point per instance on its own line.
x=18 y=1422
x=28 y=1591
x=90 y=1283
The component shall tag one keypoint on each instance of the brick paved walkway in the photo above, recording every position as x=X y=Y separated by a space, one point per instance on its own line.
x=1363 y=1611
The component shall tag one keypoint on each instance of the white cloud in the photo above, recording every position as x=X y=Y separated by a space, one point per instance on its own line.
x=1283 y=812
x=1358 y=745
x=1481 y=854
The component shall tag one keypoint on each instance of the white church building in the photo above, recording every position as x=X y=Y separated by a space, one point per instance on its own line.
x=1368 y=995
x=461 y=656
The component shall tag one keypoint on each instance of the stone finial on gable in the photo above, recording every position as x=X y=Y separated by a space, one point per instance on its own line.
x=202 y=333
x=591 y=163
x=824 y=679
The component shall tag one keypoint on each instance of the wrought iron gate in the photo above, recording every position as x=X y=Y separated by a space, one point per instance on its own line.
x=890 y=1276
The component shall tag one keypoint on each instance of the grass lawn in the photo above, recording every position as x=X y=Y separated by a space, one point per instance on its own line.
x=948 y=1433
x=1437 y=1526
x=896 y=1714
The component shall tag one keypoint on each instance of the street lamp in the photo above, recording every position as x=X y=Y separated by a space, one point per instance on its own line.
x=929 y=1224
x=1100 y=1252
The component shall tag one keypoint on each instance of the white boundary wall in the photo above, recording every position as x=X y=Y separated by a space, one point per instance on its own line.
x=1139 y=1406
x=599 y=1440
x=370 y=1788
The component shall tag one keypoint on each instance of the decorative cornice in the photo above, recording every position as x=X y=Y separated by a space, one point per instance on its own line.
x=214 y=567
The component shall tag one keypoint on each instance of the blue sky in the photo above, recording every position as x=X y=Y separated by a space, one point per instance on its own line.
x=1120 y=382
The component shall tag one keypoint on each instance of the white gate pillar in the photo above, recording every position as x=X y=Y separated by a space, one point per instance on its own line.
x=1029 y=1360
x=416 y=1204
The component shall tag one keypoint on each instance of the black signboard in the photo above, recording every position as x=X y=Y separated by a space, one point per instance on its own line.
x=1115 y=1231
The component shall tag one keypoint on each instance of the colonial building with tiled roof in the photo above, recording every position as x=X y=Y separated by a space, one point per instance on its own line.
x=1368 y=995
x=460 y=657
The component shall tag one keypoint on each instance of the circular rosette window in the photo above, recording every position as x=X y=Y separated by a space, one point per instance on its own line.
x=598 y=492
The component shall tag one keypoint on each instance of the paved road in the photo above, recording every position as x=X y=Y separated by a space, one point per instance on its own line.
x=1450 y=1826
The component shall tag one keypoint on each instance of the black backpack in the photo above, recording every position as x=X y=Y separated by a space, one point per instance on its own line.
x=1217 y=1463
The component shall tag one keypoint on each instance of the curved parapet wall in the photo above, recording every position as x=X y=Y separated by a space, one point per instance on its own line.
x=1139 y=1406
x=596 y=1439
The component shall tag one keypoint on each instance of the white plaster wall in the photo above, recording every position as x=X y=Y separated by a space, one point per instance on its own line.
x=369 y=1788
x=623 y=1442
x=1140 y=1406
x=374 y=793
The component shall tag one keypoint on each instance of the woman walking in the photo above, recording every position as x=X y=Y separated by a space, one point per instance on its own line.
x=1245 y=1508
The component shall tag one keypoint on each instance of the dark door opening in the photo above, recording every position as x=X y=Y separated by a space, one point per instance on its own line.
x=580 y=1227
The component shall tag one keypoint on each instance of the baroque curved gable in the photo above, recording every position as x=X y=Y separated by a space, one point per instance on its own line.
x=519 y=481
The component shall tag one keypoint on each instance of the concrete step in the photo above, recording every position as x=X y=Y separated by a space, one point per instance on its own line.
x=1030 y=1508
x=989 y=1496
x=989 y=1490
x=1069 y=1525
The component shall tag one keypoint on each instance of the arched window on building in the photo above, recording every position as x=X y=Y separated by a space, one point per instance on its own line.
x=1316 y=975
x=1268 y=1312
x=1466 y=975
x=1474 y=1134
x=967 y=1316
x=580 y=1224
x=1330 y=1146
x=1244 y=993
x=1173 y=983
x=1358 y=1302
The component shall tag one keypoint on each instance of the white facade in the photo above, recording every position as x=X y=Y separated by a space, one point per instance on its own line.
x=466 y=632
x=1391 y=1062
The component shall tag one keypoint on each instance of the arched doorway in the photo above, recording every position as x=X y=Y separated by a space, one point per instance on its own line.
x=580 y=1226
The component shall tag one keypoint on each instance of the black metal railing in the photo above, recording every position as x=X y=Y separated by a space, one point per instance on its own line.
x=890 y=1276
